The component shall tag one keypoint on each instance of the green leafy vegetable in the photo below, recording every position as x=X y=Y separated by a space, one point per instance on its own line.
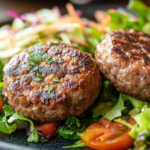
x=116 y=110
x=65 y=38
x=138 y=105
x=140 y=8
x=106 y=101
x=140 y=128
x=76 y=144
x=123 y=21
x=56 y=80
x=10 y=121
x=4 y=126
x=50 y=89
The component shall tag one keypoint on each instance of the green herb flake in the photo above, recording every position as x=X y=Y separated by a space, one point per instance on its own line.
x=29 y=64
x=37 y=79
x=35 y=68
x=39 y=57
x=39 y=75
x=42 y=84
x=50 y=60
x=56 y=80
x=53 y=43
x=35 y=58
x=115 y=76
x=50 y=89
x=17 y=78
x=45 y=56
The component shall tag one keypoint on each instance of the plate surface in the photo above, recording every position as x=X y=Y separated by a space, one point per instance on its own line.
x=18 y=139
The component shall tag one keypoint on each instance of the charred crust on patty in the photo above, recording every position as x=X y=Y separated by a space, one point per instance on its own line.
x=78 y=74
x=126 y=53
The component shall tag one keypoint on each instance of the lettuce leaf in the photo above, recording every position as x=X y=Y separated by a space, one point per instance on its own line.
x=76 y=144
x=141 y=130
x=116 y=111
x=10 y=121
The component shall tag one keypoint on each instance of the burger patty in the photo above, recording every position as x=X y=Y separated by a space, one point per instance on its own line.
x=124 y=58
x=50 y=83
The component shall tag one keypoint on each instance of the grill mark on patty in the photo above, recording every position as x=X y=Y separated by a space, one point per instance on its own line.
x=131 y=45
x=83 y=65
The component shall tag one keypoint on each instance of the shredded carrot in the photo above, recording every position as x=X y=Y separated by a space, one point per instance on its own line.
x=3 y=38
x=100 y=27
x=73 y=14
x=11 y=42
x=77 y=40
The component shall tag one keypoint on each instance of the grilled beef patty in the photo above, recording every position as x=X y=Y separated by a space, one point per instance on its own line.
x=61 y=84
x=124 y=58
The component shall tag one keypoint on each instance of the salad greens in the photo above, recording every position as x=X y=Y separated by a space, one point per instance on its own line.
x=85 y=35
x=11 y=121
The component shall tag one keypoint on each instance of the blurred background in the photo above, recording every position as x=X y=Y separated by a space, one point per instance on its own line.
x=87 y=7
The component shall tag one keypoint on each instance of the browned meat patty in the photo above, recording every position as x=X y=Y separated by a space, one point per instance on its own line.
x=61 y=84
x=124 y=58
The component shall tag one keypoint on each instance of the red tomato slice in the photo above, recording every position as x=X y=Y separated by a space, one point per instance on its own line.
x=1 y=103
x=47 y=128
x=107 y=135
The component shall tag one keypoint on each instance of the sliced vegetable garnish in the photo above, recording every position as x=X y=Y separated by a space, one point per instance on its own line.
x=47 y=128
x=50 y=89
x=107 y=135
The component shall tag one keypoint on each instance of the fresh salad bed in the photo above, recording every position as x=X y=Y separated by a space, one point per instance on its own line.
x=46 y=26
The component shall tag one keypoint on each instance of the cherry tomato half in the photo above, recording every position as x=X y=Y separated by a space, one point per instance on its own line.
x=47 y=128
x=107 y=135
x=1 y=103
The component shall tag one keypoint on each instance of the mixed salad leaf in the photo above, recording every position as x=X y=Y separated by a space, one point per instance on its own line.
x=11 y=121
x=43 y=27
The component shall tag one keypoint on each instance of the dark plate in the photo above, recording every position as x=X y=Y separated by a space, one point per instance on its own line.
x=18 y=139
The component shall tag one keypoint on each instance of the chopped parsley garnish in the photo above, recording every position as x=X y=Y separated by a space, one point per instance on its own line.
x=56 y=80
x=39 y=57
x=53 y=43
x=36 y=68
x=30 y=64
x=50 y=89
x=35 y=58
x=39 y=75
x=17 y=78
x=50 y=60
x=37 y=79
x=42 y=84
x=115 y=76
x=45 y=56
